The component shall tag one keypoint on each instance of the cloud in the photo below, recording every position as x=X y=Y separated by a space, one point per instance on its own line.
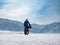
x=14 y=9
x=37 y=11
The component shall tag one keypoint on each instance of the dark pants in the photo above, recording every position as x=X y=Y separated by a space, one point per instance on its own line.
x=26 y=30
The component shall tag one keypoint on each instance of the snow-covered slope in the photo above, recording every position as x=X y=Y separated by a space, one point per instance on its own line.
x=12 y=25
x=16 y=38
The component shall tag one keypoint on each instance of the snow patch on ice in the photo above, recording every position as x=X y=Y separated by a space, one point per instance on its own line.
x=15 y=38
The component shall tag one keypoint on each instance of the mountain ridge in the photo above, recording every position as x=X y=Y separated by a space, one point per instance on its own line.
x=12 y=25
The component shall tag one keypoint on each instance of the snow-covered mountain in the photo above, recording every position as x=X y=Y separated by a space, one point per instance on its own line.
x=11 y=25
x=49 y=28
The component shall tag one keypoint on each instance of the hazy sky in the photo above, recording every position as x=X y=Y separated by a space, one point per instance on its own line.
x=37 y=11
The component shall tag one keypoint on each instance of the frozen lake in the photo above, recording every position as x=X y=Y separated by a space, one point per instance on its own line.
x=15 y=38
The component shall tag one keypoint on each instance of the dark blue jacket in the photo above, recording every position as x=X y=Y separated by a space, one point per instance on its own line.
x=26 y=23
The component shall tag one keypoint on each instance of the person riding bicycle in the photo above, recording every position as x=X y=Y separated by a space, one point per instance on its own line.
x=27 y=25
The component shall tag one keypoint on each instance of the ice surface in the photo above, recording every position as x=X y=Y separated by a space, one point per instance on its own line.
x=18 y=38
